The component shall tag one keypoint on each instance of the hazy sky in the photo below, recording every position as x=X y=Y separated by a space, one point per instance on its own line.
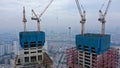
x=60 y=15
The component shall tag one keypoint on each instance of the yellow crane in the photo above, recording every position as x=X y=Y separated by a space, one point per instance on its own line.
x=102 y=17
x=82 y=14
x=37 y=18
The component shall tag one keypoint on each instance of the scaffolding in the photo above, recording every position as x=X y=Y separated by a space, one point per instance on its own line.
x=109 y=59
x=72 y=58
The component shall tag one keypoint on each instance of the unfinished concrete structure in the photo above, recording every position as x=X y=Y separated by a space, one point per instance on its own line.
x=109 y=59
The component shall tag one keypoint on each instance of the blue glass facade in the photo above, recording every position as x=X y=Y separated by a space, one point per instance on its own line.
x=32 y=37
x=97 y=41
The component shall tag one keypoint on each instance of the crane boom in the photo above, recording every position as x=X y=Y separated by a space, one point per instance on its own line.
x=45 y=8
x=82 y=14
x=79 y=9
x=107 y=8
x=35 y=16
x=102 y=17
x=38 y=17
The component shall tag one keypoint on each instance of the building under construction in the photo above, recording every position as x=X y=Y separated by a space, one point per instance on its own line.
x=32 y=52
x=72 y=57
x=92 y=50
x=109 y=59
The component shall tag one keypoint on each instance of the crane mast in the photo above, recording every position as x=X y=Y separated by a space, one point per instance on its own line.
x=82 y=14
x=102 y=17
x=24 y=19
x=38 y=17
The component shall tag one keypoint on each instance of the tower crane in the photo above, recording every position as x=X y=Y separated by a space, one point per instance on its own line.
x=82 y=14
x=102 y=17
x=37 y=17
x=24 y=19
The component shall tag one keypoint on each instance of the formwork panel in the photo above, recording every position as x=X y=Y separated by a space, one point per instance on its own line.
x=32 y=36
x=97 y=41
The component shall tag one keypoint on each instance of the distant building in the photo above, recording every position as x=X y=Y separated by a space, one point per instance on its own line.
x=5 y=66
x=46 y=46
x=16 y=47
x=5 y=49
x=2 y=51
x=8 y=48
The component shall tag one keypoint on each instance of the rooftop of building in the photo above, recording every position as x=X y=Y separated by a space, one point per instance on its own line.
x=101 y=43
x=31 y=32
x=93 y=35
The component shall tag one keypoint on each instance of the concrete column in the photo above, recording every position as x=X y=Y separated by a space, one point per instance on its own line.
x=90 y=60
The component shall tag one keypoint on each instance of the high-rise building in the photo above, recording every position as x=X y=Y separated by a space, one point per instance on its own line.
x=32 y=53
x=94 y=51
x=2 y=50
x=5 y=49
x=32 y=43
x=16 y=47
x=8 y=48
x=46 y=46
